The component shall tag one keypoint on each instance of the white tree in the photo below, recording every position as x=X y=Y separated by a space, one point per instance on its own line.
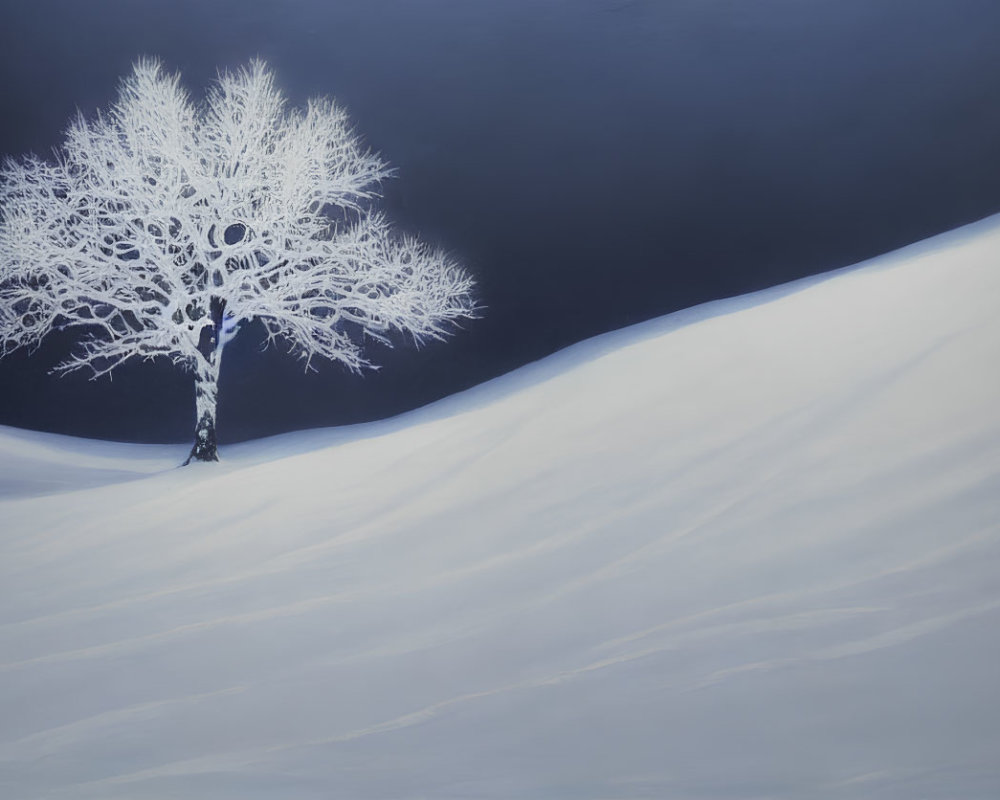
x=162 y=225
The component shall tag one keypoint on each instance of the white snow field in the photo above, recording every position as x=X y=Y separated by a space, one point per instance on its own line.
x=750 y=550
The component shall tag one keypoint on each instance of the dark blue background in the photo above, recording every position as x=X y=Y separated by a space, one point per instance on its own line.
x=593 y=162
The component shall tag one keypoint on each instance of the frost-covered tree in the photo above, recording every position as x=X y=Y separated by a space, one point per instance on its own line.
x=161 y=225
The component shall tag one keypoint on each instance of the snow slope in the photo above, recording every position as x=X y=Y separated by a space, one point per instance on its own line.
x=747 y=551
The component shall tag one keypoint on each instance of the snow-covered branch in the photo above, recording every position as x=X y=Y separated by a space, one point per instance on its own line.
x=160 y=223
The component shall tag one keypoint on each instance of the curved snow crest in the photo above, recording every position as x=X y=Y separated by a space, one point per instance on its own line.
x=745 y=550
x=143 y=459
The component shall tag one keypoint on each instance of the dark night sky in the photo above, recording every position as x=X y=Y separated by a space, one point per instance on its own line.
x=594 y=163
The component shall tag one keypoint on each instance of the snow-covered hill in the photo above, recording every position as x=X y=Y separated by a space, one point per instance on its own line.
x=751 y=550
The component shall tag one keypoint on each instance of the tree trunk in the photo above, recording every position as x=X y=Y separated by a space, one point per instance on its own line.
x=206 y=387
x=206 y=394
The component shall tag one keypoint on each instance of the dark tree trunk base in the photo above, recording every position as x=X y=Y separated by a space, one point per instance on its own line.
x=205 y=445
x=206 y=386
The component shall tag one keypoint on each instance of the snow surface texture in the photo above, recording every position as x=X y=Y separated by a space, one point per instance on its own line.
x=751 y=550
